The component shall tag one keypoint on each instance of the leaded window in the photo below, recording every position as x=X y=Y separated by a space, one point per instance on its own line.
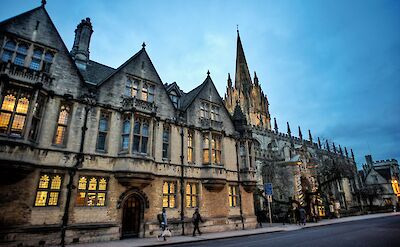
x=192 y=195
x=8 y=51
x=206 y=148
x=48 y=190
x=36 y=59
x=92 y=191
x=190 y=147
x=131 y=87
x=104 y=127
x=242 y=153
x=169 y=194
x=214 y=113
x=216 y=149
x=13 y=111
x=233 y=196
x=36 y=117
x=140 y=136
x=148 y=92
x=62 y=124
x=47 y=62
x=165 y=146
x=21 y=54
x=126 y=130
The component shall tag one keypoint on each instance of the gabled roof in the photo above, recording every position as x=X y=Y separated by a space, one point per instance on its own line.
x=21 y=21
x=96 y=72
x=175 y=87
x=188 y=98
x=135 y=60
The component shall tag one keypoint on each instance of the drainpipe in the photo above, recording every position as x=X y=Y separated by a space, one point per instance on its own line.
x=72 y=172
x=182 y=185
x=240 y=193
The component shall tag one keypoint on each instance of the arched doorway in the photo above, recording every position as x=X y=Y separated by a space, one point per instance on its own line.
x=132 y=216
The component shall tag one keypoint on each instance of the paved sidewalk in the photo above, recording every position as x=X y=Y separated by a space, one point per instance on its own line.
x=152 y=241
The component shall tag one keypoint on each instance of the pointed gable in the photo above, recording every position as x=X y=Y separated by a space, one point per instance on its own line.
x=36 y=27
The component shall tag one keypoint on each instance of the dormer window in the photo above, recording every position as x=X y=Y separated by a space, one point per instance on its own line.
x=144 y=91
x=174 y=98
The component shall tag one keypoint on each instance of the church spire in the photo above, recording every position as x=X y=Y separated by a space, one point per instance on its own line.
x=229 y=81
x=242 y=76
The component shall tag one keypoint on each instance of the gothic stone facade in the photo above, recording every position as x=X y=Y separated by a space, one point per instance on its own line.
x=93 y=153
x=303 y=173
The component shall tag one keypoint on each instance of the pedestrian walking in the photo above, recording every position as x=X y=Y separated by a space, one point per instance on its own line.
x=196 y=219
x=303 y=216
x=162 y=220
x=297 y=215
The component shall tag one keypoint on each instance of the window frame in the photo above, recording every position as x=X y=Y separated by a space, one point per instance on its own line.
x=190 y=147
x=127 y=118
x=142 y=121
x=18 y=93
x=37 y=116
x=66 y=126
x=88 y=191
x=189 y=194
x=104 y=115
x=169 y=194
x=48 y=190
x=233 y=194
x=166 y=140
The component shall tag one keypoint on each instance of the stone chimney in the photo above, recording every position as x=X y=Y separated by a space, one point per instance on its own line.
x=80 y=50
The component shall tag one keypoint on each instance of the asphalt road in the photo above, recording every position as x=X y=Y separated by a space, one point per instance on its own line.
x=382 y=232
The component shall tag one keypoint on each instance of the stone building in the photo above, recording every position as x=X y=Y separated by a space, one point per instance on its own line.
x=93 y=153
x=380 y=182
x=302 y=171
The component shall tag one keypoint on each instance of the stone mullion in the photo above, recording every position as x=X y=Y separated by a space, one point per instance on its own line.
x=131 y=134
x=150 y=138
x=210 y=148
x=29 y=116
x=247 y=153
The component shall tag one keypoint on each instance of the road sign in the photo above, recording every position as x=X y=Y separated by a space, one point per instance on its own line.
x=268 y=189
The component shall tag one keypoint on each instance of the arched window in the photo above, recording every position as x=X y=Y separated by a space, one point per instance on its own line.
x=62 y=125
x=126 y=130
x=103 y=131
x=48 y=190
x=140 y=136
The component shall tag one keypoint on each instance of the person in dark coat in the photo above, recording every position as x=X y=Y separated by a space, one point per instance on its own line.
x=297 y=215
x=303 y=216
x=196 y=219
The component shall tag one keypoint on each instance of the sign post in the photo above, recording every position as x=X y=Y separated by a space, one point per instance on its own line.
x=268 y=192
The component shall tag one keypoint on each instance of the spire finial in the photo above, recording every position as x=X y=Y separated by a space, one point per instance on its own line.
x=288 y=129
x=300 y=134
x=310 y=136
x=237 y=28
x=44 y=3
x=319 y=143
x=144 y=45
x=208 y=73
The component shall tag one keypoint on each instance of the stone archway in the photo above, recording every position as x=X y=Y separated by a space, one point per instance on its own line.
x=133 y=203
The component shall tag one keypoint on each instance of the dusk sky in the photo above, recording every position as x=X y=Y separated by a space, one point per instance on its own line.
x=329 y=66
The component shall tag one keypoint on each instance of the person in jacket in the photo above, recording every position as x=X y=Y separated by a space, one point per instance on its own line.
x=162 y=220
x=196 y=219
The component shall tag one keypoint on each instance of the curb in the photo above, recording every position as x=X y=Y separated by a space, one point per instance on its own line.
x=273 y=231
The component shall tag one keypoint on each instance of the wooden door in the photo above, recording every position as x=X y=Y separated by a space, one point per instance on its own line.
x=131 y=217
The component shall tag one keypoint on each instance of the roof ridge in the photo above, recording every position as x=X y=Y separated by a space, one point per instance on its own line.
x=101 y=64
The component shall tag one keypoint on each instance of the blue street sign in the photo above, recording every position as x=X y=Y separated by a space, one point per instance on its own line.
x=268 y=189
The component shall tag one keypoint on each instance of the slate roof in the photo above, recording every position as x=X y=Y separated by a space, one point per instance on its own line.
x=96 y=72
x=188 y=98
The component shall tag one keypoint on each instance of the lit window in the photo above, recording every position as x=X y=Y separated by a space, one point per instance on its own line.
x=103 y=131
x=13 y=111
x=126 y=129
x=206 y=149
x=233 y=196
x=190 y=147
x=165 y=146
x=148 y=92
x=169 y=194
x=192 y=196
x=140 y=136
x=62 y=124
x=91 y=191
x=48 y=191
